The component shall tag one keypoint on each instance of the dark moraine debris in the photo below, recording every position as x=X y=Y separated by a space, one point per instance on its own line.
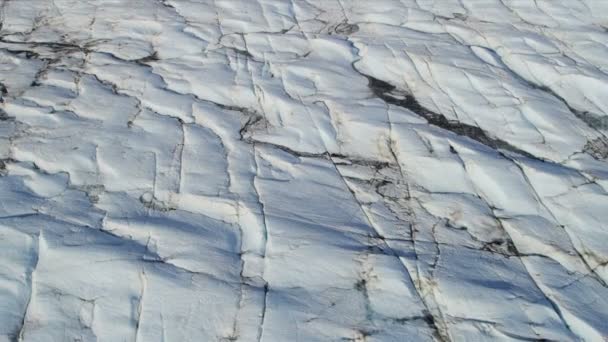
x=385 y=91
x=597 y=148
x=346 y=28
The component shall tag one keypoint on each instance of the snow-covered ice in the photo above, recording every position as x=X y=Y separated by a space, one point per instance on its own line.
x=303 y=170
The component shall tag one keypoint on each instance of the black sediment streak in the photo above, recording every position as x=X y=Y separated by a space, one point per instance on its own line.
x=384 y=91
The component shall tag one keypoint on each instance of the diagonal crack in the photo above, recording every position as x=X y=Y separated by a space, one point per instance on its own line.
x=264 y=232
x=31 y=282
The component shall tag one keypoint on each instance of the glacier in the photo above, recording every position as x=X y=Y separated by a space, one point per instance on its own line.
x=303 y=170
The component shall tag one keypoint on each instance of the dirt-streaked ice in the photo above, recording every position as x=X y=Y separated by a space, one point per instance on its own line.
x=303 y=170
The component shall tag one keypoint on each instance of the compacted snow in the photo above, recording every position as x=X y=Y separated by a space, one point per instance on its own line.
x=304 y=170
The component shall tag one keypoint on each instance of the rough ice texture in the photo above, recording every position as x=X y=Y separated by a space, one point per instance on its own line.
x=304 y=170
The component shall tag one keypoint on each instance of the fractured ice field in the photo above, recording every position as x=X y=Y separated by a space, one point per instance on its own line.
x=303 y=170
